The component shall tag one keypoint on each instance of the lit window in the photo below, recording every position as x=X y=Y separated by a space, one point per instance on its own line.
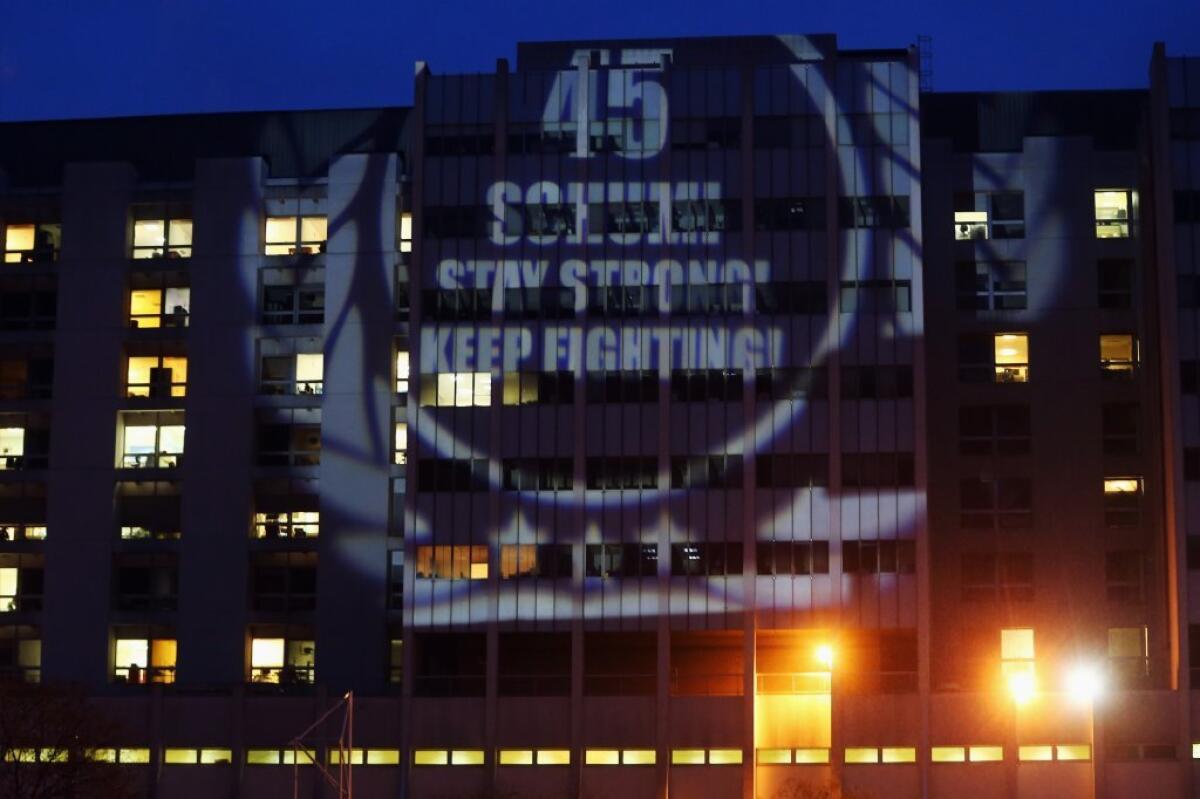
x=1012 y=358
x=162 y=238
x=287 y=524
x=168 y=307
x=1113 y=213
x=295 y=235
x=774 y=757
x=601 y=757
x=1118 y=356
x=144 y=660
x=180 y=757
x=687 y=757
x=210 y=757
x=516 y=757
x=553 y=757
x=724 y=757
x=970 y=224
x=947 y=754
x=1016 y=652
x=985 y=754
x=8 y=588
x=989 y=215
x=285 y=661
x=30 y=244
x=406 y=232
x=457 y=389
x=1128 y=653
x=133 y=756
x=460 y=562
x=12 y=447
x=156 y=376
x=1122 y=501
x=262 y=757
x=293 y=374
x=402 y=372
x=1073 y=752
x=1035 y=753
x=899 y=754
x=152 y=446
x=467 y=757
x=383 y=757
x=431 y=757
x=811 y=756
x=400 y=455
x=862 y=754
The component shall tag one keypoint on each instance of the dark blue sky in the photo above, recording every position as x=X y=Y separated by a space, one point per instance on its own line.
x=122 y=57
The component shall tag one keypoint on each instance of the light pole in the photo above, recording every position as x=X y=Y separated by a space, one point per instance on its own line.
x=1085 y=684
x=1022 y=688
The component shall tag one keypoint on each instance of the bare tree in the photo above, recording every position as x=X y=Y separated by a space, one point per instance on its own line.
x=47 y=738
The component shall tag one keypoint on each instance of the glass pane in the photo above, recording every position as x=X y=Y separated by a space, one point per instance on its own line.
x=145 y=302
x=180 y=232
x=138 y=375
x=281 y=229
x=139 y=439
x=178 y=300
x=132 y=652
x=12 y=441
x=313 y=228
x=170 y=439
x=1012 y=348
x=310 y=367
x=1016 y=644
x=18 y=237
x=149 y=233
x=1127 y=642
x=266 y=653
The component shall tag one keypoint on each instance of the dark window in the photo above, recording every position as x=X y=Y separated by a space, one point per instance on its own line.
x=990 y=503
x=877 y=470
x=873 y=212
x=1120 y=428
x=792 y=471
x=621 y=560
x=1007 y=576
x=284 y=582
x=537 y=474
x=713 y=559
x=994 y=430
x=1123 y=570
x=1115 y=283
x=791 y=297
x=795 y=383
x=786 y=558
x=615 y=473
x=466 y=305
x=706 y=385
x=146 y=582
x=706 y=471
x=621 y=386
x=795 y=213
x=452 y=474
x=876 y=296
x=879 y=557
x=996 y=286
x=293 y=305
x=877 y=382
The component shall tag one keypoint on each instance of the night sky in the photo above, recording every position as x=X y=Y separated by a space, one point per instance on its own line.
x=130 y=57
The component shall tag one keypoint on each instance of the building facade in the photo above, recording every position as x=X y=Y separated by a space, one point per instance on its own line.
x=692 y=417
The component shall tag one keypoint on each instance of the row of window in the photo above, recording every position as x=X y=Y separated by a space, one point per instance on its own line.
x=1001 y=215
x=156 y=234
x=383 y=756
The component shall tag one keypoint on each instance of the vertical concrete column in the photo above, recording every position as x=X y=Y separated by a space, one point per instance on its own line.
x=87 y=387
x=356 y=421
x=219 y=447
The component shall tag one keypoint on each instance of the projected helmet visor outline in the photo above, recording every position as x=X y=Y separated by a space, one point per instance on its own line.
x=605 y=218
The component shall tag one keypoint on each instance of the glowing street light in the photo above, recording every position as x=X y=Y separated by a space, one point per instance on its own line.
x=1022 y=687
x=1085 y=683
x=825 y=656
